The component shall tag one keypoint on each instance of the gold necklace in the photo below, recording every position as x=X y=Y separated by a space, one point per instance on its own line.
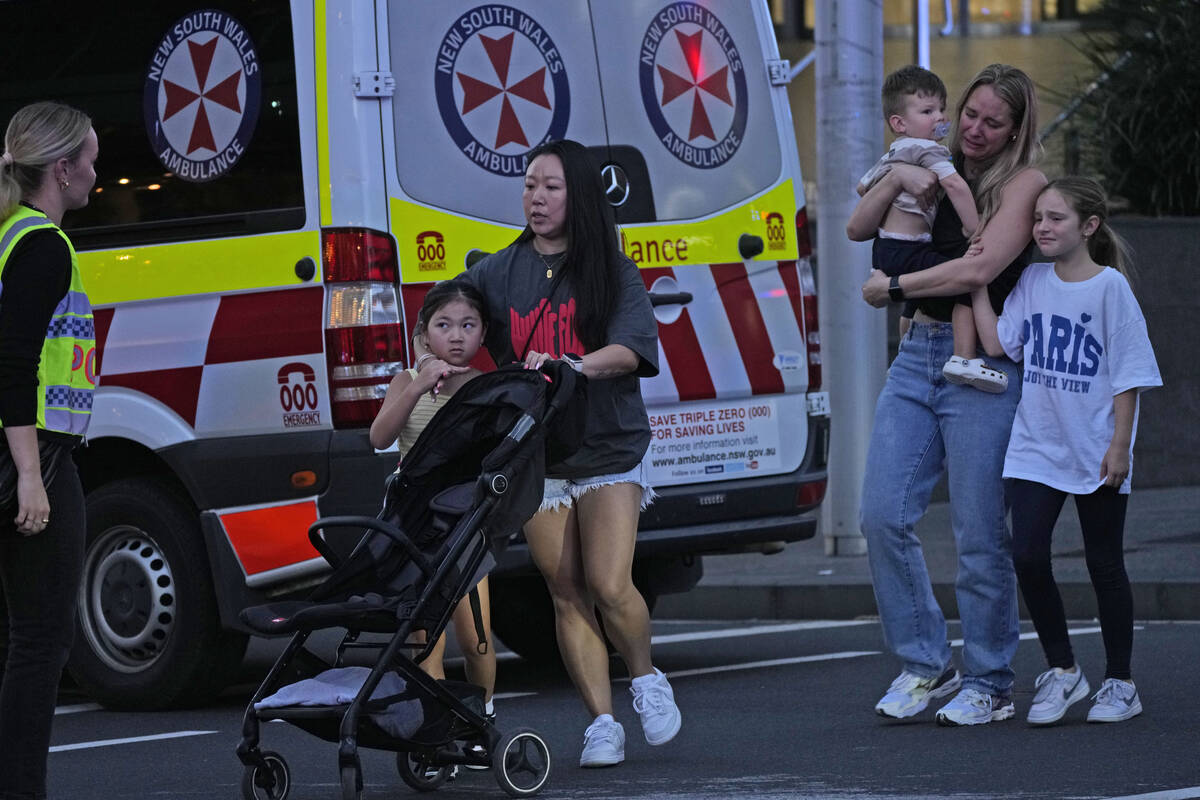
x=551 y=265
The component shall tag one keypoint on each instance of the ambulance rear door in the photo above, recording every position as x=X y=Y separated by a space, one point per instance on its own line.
x=477 y=86
x=702 y=165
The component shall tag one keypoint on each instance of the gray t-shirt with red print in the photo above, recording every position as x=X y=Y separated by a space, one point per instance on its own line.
x=515 y=285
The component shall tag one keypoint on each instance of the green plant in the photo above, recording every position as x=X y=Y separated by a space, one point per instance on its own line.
x=1141 y=126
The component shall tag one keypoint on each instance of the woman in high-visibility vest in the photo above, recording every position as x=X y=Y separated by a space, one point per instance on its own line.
x=47 y=375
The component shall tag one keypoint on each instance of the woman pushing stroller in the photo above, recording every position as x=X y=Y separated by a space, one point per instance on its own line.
x=563 y=290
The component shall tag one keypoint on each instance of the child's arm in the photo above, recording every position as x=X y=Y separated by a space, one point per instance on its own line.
x=1115 y=465
x=985 y=322
x=400 y=400
x=963 y=202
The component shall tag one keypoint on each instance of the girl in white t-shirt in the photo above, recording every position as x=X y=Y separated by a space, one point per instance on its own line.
x=450 y=326
x=1081 y=337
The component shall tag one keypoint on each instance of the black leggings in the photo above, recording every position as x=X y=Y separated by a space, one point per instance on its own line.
x=1035 y=509
x=40 y=576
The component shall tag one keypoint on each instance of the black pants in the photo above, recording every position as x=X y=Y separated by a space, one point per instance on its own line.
x=1035 y=509
x=40 y=576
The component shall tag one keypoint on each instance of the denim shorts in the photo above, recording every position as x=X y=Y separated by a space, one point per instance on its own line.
x=563 y=492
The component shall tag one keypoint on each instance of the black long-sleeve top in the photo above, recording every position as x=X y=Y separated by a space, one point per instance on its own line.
x=34 y=280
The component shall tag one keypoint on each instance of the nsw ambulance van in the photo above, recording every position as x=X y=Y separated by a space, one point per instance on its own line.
x=281 y=182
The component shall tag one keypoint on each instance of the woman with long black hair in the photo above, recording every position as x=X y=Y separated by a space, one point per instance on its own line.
x=564 y=290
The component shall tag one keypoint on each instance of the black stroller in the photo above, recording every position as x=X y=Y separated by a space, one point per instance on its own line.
x=470 y=481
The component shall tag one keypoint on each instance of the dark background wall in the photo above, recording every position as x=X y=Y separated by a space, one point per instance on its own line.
x=1167 y=258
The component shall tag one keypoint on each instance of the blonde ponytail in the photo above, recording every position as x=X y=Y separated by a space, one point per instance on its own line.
x=38 y=135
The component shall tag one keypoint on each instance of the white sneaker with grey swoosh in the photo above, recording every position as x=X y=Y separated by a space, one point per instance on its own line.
x=1116 y=701
x=1056 y=690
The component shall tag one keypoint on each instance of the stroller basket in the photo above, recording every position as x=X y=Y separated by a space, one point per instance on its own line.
x=470 y=481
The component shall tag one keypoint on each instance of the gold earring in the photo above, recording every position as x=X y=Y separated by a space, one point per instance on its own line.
x=63 y=183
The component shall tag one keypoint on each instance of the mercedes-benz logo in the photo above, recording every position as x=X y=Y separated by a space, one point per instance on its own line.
x=616 y=185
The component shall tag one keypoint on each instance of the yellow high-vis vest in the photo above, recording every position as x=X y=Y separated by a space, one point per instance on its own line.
x=67 y=370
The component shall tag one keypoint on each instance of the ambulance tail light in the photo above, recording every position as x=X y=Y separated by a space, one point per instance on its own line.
x=364 y=337
x=803 y=239
x=812 y=330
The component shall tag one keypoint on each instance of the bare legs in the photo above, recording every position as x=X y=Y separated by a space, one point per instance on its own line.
x=586 y=556
x=480 y=666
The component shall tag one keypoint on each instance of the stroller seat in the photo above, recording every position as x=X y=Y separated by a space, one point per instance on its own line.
x=371 y=613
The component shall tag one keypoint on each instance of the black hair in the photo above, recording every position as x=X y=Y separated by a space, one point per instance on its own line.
x=444 y=292
x=592 y=251
x=907 y=81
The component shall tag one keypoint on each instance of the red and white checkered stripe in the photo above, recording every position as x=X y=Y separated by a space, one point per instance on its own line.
x=214 y=360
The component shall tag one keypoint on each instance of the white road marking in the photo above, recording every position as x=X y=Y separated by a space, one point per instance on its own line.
x=1170 y=794
x=774 y=662
x=757 y=630
x=1033 y=634
x=130 y=740
x=78 y=708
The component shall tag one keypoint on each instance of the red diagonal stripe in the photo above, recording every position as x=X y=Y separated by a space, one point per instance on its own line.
x=673 y=85
x=510 y=127
x=226 y=92
x=690 y=45
x=102 y=320
x=178 y=98
x=532 y=89
x=717 y=85
x=499 y=52
x=749 y=329
x=274 y=324
x=202 y=135
x=791 y=282
x=202 y=56
x=178 y=389
x=700 y=124
x=475 y=92
x=682 y=349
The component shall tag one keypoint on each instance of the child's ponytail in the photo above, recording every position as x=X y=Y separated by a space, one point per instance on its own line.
x=1106 y=247
x=1088 y=199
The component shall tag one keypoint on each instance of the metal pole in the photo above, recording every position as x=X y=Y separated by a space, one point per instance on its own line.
x=849 y=46
x=921 y=33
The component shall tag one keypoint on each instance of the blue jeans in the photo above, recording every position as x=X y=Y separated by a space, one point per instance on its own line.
x=924 y=425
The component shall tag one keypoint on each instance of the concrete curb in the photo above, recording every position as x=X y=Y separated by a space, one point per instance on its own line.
x=1155 y=600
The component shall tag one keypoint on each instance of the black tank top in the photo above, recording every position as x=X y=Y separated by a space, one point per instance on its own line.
x=949 y=241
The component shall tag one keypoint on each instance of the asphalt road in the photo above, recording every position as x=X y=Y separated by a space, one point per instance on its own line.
x=771 y=710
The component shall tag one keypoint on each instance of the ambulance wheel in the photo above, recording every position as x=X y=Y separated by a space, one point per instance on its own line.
x=351 y=782
x=521 y=762
x=149 y=635
x=420 y=776
x=255 y=779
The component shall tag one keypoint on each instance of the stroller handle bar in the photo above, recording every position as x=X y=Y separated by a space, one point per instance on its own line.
x=375 y=524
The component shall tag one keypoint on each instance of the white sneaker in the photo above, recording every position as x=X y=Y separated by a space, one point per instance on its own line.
x=1057 y=690
x=603 y=743
x=909 y=694
x=973 y=707
x=654 y=700
x=975 y=373
x=1116 y=701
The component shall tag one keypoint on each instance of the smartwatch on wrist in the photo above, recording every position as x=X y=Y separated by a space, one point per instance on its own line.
x=894 y=291
x=575 y=361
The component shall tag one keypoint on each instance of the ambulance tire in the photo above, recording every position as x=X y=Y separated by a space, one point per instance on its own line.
x=523 y=617
x=148 y=634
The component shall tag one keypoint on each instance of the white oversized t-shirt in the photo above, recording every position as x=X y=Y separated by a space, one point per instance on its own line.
x=1081 y=343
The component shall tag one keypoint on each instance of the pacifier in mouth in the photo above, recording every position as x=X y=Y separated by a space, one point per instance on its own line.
x=940 y=130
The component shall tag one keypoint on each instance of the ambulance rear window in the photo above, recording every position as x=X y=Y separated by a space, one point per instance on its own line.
x=194 y=106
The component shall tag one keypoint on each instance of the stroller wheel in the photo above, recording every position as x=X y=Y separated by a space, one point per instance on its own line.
x=271 y=783
x=521 y=762
x=422 y=776
x=351 y=782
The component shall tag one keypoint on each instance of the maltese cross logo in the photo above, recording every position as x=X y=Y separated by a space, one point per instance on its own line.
x=501 y=87
x=202 y=95
x=693 y=85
